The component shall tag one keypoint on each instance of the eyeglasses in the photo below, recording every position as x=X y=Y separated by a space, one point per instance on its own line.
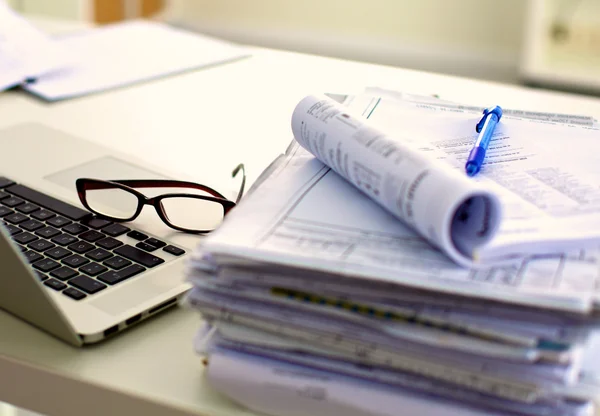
x=118 y=201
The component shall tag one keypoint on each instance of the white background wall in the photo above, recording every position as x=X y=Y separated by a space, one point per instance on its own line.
x=479 y=38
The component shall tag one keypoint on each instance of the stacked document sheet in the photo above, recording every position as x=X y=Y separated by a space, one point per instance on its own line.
x=463 y=297
x=127 y=53
x=25 y=52
x=101 y=58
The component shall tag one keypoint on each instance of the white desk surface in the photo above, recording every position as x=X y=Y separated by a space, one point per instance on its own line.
x=199 y=124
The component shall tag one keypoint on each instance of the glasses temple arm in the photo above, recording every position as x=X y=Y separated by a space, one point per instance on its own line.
x=243 y=185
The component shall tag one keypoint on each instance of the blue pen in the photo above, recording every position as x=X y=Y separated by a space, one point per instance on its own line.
x=485 y=128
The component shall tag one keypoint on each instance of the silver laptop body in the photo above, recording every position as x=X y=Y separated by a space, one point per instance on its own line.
x=49 y=161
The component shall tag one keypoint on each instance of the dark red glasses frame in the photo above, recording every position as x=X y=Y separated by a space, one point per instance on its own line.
x=128 y=185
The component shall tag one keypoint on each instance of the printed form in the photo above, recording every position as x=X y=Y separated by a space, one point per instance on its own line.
x=302 y=215
x=548 y=189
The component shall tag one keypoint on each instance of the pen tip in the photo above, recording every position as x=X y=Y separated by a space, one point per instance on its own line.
x=471 y=169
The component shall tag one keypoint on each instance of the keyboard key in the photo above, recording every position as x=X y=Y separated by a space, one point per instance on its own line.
x=63 y=273
x=99 y=254
x=4 y=182
x=47 y=232
x=114 y=277
x=139 y=256
x=74 y=293
x=57 y=253
x=55 y=284
x=46 y=265
x=64 y=239
x=93 y=269
x=109 y=243
x=58 y=221
x=97 y=223
x=75 y=229
x=156 y=243
x=43 y=215
x=81 y=247
x=75 y=261
x=27 y=208
x=3 y=195
x=174 y=250
x=5 y=211
x=91 y=236
x=41 y=275
x=32 y=256
x=117 y=262
x=40 y=245
x=12 y=230
x=46 y=201
x=87 y=284
x=12 y=201
x=115 y=230
x=136 y=235
x=146 y=247
x=31 y=225
x=16 y=218
x=24 y=238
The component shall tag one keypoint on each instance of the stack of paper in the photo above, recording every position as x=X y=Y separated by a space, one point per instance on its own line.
x=25 y=52
x=127 y=53
x=320 y=300
x=102 y=58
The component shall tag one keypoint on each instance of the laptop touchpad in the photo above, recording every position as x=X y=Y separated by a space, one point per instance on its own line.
x=107 y=168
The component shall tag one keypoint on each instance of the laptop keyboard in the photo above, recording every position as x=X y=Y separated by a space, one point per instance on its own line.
x=71 y=250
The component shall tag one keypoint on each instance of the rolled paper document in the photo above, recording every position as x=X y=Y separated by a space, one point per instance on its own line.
x=452 y=211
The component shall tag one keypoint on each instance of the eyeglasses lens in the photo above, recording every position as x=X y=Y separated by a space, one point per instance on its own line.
x=112 y=202
x=193 y=213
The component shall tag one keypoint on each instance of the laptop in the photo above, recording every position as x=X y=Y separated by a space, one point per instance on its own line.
x=80 y=278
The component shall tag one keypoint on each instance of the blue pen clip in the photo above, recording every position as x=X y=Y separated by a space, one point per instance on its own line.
x=485 y=128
